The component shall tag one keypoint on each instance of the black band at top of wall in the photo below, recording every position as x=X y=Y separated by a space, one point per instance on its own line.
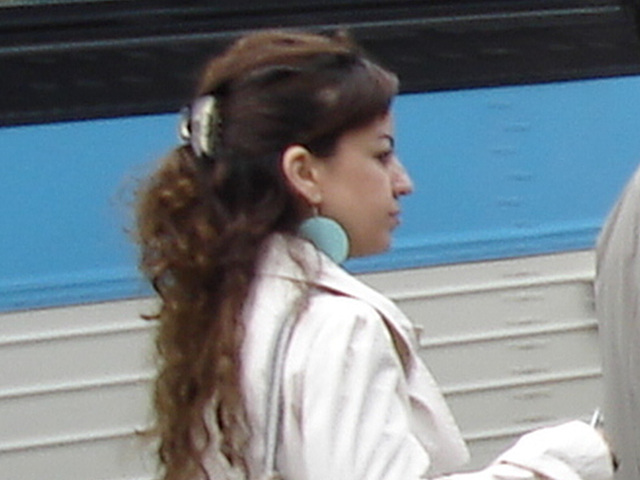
x=67 y=60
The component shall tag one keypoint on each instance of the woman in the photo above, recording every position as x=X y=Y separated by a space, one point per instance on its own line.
x=290 y=142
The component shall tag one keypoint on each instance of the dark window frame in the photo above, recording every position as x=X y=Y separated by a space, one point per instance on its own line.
x=81 y=60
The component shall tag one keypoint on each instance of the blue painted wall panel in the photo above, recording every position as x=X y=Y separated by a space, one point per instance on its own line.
x=499 y=172
x=63 y=197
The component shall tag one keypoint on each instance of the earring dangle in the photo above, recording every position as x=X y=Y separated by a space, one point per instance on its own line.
x=327 y=235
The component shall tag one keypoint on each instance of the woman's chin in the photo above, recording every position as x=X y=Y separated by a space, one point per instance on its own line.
x=371 y=250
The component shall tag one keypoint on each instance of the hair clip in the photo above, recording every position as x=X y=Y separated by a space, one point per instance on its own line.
x=199 y=125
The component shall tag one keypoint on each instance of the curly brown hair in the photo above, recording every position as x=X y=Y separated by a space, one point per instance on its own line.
x=201 y=222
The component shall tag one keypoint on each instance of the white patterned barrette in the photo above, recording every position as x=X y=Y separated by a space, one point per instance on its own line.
x=199 y=125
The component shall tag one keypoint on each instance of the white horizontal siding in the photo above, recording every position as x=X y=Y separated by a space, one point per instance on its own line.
x=74 y=392
x=513 y=344
x=109 y=457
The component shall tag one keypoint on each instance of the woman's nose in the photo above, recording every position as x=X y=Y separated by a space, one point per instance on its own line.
x=402 y=183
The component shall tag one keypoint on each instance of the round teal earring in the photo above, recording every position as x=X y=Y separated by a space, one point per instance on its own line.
x=327 y=235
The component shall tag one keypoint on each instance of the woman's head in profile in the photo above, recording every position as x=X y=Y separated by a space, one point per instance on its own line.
x=284 y=126
x=275 y=90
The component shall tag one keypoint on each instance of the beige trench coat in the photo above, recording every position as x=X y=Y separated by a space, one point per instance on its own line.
x=359 y=404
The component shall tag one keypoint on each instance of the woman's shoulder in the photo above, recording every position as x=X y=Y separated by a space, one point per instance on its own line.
x=340 y=319
x=340 y=307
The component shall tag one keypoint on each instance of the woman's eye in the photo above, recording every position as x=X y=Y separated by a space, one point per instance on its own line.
x=385 y=157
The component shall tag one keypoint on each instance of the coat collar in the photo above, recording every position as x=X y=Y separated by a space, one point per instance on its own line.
x=306 y=264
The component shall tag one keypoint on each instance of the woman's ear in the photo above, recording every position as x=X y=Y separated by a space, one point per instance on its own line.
x=300 y=168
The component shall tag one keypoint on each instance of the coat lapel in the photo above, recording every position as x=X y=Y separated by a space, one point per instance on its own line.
x=433 y=423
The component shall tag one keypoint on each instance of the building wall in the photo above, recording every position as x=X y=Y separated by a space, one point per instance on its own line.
x=511 y=342
x=494 y=259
